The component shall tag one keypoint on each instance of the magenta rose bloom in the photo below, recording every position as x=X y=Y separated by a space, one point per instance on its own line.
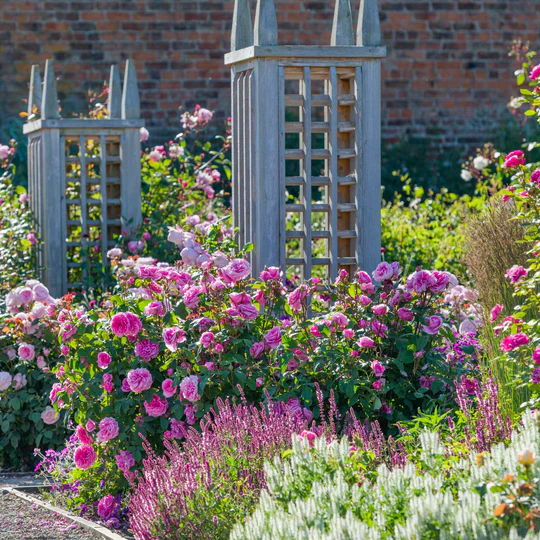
x=514 y=159
x=433 y=325
x=442 y=279
x=405 y=314
x=172 y=337
x=297 y=297
x=147 y=350
x=207 y=338
x=168 y=389
x=83 y=435
x=106 y=507
x=535 y=376
x=157 y=407
x=257 y=349
x=514 y=341
x=85 y=456
x=309 y=436
x=535 y=176
x=496 y=313
x=108 y=430
x=378 y=369
x=139 y=380
x=124 y=460
x=189 y=388
x=516 y=273
x=380 y=309
x=383 y=272
x=272 y=338
x=377 y=385
x=119 y=325
x=535 y=73
x=134 y=325
x=103 y=360
x=271 y=274
x=366 y=343
x=191 y=296
x=379 y=328
x=536 y=356
x=236 y=270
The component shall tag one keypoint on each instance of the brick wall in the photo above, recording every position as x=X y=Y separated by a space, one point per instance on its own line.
x=447 y=71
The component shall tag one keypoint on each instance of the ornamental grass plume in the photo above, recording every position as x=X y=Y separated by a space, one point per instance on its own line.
x=201 y=488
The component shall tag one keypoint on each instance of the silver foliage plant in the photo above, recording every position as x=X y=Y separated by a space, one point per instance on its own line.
x=309 y=495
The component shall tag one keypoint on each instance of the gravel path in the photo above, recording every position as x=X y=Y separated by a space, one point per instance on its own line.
x=22 y=520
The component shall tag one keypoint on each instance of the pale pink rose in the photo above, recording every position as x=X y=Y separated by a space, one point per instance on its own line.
x=49 y=415
x=4 y=151
x=85 y=456
x=272 y=338
x=204 y=115
x=41 y=364
x=380 y=309
x=144 y=134
x=383 y=272
x=11 y=354
x=220 y=259
x=207 y=338
x=154 y=308
x=26 y=294
x=420 y=281
x=157 y=407
x=5 y=380
x=108 y=429
x=378 y=369
x=19 y=381
x=155 y=155
x=341 y=320
x=146 y=350
x=26 y=352
x=236 y=270
x=83 y=435
x=366 y=343
x=257 y=349
x=467 y=327
x=114 y=253
x=106 y=507
x=297 y=297
x=168 y=389
x=103 y=360
x=348 y=333
x=189 y=388
x=124 y=460
x=433 y=325
x=139 y=380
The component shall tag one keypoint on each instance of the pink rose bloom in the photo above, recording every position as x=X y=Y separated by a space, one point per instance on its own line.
x=272 y=338
x=271 y=274
x=147 y=350
x=124 y=460
x=366 y=343
x=49 y=415
x=189 y=388
x=514 y=159
x=144 y=134
x=134 y=325
x=378 y=369
x=535 y=72
x=364 y=300
x=4 y=151
x=103 y=360
x=207 y=338
x=535 y=376
x=421 y=280
x=168 y=389
x=297 y=297
x=236 y=270
x=5 y=380
x=434 y=325
x=383 y=272
x=496 y=313
x=85 y=456
x=536 y=356
x=125 y=386
x=178 y=428
x=341 y=320
x=108 y=430
x=11 y=354
x=83 y=435
x=535 y=176
x=380 y=309
x=90 y=425
x=377 y=385
x=516 y=273
x=309 y=436
x=210 y=366
x=259 y=382
x=106 y=507
x=157 y=407
x=442 y=279
x=405 y=314
x=348 y=333
x=363 y=278
x=257 y=349
x=154 y=308
x=19 y=381
x=107 y=383
x=379 y=328
x=41 y=364
x=119 y=324
x=26 y=294
x=191 y=296
x=173 y=336
x=139 y=380
x=514 y=341
x=204 y=115
x=26 y=352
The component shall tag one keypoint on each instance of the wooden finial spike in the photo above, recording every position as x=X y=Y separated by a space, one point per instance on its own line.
x=342 y=29
x=114 y=103
x=368 y=33
x=130 y=97
x=49 y=100
x=266 y=29
x=242 y=29
x=35 y=92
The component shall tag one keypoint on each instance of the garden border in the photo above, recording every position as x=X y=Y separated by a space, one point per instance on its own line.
x=89 y=525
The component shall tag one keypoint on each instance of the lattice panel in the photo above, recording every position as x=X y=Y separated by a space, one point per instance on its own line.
x=92 y=204
x=322 y=142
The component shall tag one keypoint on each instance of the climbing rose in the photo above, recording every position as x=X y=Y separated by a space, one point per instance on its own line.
x=309 y=436
x=204 y=115
x=168 y=389
x=535 y=72
x=536 y=356
x=103 y=360
x=173 y=336
x=5 y=380
x=514 y=159
x=257 y=349
x=108 y=430
x=236 y=270
x=139 y=380
x=85 y=456
x=378 y=369
x=83 y=435
x=4 y=151
x=380 y=309
x=421 y=280
x=405 y=314
x=49 y=415
x=144 y=134
x=207 y=338
x=189 y=388
x=26 y=352
x=273 y=338
x=147 y=350
x=157 y=407
x=383 y=272
x=535 y=376
x=271 y=274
